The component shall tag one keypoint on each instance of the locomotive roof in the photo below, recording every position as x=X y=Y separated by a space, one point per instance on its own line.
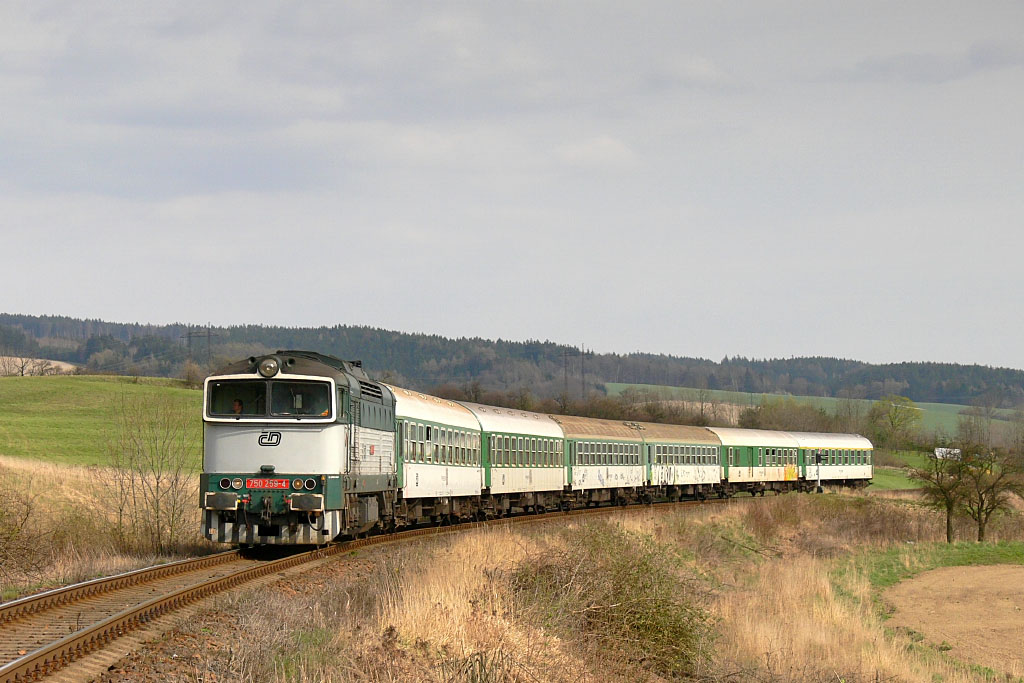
x=299 y=363
x=345 y=373
x=414 y=405
x=822 y=440
x=731 y=436
x=594 y=428
x=512 y=421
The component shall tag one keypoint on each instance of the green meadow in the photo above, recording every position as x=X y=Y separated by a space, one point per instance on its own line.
x=69 y=419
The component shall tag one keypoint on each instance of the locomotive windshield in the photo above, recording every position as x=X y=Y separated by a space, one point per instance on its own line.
x=284 y=398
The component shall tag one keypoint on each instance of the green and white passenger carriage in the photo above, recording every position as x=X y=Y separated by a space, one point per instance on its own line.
x=524 y=461
x=845 y=458
x=757 y=460
x=605 y=460
x=684 y=461
x=440 y=463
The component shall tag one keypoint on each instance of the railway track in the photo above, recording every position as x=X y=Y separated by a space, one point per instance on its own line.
x=43 y=633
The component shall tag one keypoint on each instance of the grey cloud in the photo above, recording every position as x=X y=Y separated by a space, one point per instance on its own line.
x=932 y=68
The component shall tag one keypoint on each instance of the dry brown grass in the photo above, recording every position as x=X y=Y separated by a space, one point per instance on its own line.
x=475 y=606
x=70 y=530
x=785 y=613
x=435 y=610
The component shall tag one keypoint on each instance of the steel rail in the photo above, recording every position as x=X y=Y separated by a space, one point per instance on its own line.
x=16 y=609
x=50 y=658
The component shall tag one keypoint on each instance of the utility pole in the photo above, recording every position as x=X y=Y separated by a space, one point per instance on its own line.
x=197 y=334
x=565 y=370
x=583 y=374
x=209 y=354
x=188 y=337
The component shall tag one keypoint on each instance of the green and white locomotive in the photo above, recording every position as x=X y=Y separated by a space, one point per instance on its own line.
x=299 y=448
x=303 y=448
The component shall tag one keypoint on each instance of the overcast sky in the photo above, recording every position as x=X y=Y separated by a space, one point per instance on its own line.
x=696 y=178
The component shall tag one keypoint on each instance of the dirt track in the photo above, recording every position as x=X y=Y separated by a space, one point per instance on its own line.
x=979 y=611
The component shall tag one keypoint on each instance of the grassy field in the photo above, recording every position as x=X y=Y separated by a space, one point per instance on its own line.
x=890 y=479
x=67 y=419
x=934 y=416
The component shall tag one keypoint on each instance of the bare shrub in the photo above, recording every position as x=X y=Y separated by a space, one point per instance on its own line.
x=20 y=549
x=152 y=452
x=65 y=523
x=192 y=374
x=624 y=594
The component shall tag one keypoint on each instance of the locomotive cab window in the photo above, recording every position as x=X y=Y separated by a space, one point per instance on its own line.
x=251 y=397
x=287 y=398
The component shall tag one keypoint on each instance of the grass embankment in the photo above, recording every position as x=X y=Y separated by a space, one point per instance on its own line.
x=774 y=589
x=58 y=525
x=68 y=418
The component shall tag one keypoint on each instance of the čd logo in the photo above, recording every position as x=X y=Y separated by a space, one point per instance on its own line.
x=270 y=438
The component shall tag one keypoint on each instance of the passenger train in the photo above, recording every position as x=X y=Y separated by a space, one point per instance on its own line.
x=304 y=448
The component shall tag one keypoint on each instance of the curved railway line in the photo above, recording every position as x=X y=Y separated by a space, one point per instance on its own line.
x=43 y=633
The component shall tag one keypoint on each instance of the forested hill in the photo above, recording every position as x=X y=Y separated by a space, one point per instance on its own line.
x=544 y=368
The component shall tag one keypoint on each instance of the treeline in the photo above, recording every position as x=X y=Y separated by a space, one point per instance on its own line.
x=545 y=368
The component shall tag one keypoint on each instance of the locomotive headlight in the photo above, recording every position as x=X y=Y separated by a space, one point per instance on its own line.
x=296 y=484
x=225 y=483
x=236 y=483
x=269 y=367
x=310 y=484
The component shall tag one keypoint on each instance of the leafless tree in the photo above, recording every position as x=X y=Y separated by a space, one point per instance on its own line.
x=894 y=419
x=943 y=486
x=154 y=447
x=990 y=478
x=990 y=481
x=22 y=365
x=8 y=366
x=192 y=373
x=41 y=367
x=706 y=404
x=849 y=415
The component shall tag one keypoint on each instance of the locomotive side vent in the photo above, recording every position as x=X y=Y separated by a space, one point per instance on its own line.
x=371 y=390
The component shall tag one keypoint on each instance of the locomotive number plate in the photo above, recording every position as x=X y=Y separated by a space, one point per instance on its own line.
x=266 y=483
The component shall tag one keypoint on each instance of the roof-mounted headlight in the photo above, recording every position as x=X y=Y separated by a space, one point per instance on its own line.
x=269 y=367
